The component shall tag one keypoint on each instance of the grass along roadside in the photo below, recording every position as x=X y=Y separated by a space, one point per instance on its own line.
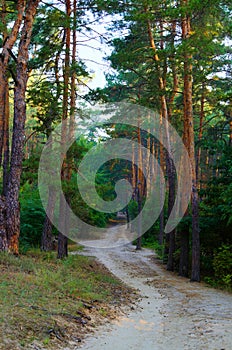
x=53 y=303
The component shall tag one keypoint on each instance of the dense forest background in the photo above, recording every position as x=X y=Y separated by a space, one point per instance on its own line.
x=170 y=56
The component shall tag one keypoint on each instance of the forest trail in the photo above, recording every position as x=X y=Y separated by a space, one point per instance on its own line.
x=170 y=313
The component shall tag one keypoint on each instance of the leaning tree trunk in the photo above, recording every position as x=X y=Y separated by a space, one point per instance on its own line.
x=12 y=197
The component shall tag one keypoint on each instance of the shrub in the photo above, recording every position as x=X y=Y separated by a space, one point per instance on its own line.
x=222 y=264
x=32 y=217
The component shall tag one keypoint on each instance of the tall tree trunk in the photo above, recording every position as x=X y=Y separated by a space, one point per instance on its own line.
x=9 y=225
x=170 y=237
x=170 y=168
x=230 y=141
x=148 y=162
x=184 y=249
x=12 y=198
x=200 y=134
x=3 y=229
x=140 y=186
x=184 y=235
x=189 y=142
x=184 y=238
x=171 y=201
x=6 y=150
x=73 y=73
x=3 y=81
x=133 y=168
x=161 y=216
x=184 y=252
x=62 y=239
x=8 y=44
x=162 y=168
x=71 y=129
x=47 y=238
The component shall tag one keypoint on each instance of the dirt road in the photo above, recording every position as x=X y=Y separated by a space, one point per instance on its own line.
x=172 y=313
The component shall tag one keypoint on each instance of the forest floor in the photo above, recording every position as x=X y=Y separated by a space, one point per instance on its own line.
x=170 y=312
x=78 y=304
x=47 y=303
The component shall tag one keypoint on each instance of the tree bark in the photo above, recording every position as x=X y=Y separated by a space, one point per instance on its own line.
x=184 y=253
x=148 y=163
x=12 y=198
x=162 y=168
x=133 y=168
x=230 y=141
x=202 y=117
x=189 y=142
x=4 y=59
x=140 y=186
x=71 y=127
x=6 y=150
x=62 y=239
x=47 y=238
x=170 y=237
x=3 y=231
x=171 y=200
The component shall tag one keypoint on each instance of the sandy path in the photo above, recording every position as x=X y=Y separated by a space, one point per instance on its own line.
x=172 y=312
